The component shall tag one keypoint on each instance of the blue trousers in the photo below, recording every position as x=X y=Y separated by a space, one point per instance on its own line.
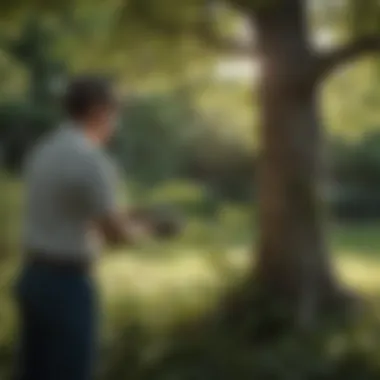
x=58 y=325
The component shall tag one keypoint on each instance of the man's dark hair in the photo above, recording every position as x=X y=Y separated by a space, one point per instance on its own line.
x=85 y=93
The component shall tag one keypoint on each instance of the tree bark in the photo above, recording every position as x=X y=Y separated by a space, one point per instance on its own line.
x=293 y=264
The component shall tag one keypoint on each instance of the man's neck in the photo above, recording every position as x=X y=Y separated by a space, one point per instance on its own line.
x=91 y=135
x=90 y=132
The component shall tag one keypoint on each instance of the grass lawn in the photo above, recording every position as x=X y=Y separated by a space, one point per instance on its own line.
x=164 y=285
x=160 y=286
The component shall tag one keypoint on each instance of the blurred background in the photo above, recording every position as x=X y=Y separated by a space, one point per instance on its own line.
x=190 y=138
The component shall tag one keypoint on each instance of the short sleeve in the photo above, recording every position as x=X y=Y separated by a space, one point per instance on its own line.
x=100 y=183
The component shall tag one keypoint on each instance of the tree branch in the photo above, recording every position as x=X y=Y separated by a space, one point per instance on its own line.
x=364 y=45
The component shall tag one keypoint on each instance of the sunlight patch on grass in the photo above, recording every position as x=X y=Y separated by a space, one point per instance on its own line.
x=164 y=290
x=360 y=272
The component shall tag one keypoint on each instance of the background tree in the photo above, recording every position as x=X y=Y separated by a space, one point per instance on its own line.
x=293 y=263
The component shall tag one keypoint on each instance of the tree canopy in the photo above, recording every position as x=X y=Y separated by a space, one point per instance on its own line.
x=165 y=35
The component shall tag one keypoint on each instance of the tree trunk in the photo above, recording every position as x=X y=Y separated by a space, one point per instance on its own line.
x=292 y=263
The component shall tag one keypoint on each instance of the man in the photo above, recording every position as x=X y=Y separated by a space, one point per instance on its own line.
x=70 y=192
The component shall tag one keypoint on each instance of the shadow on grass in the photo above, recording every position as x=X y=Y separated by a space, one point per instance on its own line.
x=248 y=347
x=359 y=239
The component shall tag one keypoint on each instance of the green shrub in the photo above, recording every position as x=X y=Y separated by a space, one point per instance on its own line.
x=21 y=124
x=356 y=173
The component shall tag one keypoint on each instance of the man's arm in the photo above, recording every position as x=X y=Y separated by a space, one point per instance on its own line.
x=99 y=185
x=120 y=230
x=137 y=224
x=117 y=227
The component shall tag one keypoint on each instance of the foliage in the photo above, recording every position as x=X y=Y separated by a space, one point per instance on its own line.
x=356 y=171
x=13 y=78
x=151 y=143
x=349 y=114
x=215 y=353
x=363 y=17
x=163 y=138
x=21 y=125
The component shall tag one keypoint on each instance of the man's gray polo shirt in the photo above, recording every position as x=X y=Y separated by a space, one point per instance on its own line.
x=70 y=183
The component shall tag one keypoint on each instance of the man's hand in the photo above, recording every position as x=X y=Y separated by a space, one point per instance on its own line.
x=131 y=227
x=119 y=230
x=161 y=222
x=138 y=230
